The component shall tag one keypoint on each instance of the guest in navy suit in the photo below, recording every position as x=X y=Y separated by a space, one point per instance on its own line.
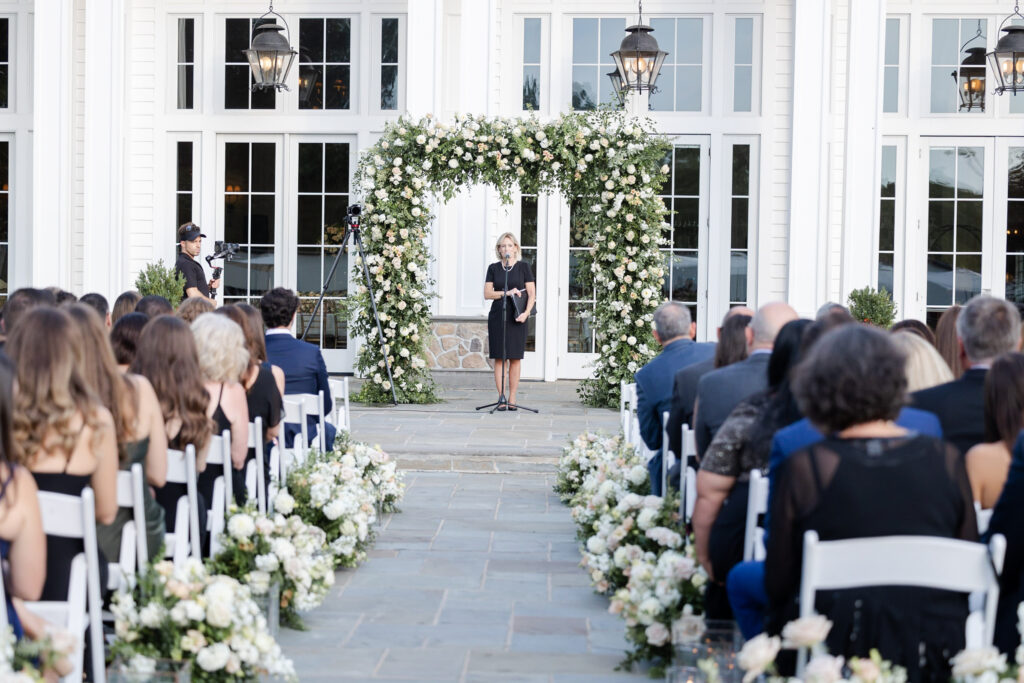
x=674 y=330
x=302 y=362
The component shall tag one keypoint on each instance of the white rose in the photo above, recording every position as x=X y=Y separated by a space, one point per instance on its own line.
x=152 y=615
x=805 y=632
x=421 y=139
x=756 y=654
x=646 y=519
x=218 y=615
x=596 y=545
x=824 y=669
x=657 y=634
x=333 y=510
x=637 y=475
x=267 y=563
x=453 y=163
x=688 y=629
x=975 y=661
x=214 y=657
x=284 y=503
x=241 y=526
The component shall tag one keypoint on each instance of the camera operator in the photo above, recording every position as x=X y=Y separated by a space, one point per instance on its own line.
x=191 y=239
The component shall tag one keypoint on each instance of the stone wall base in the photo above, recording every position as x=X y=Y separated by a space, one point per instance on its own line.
x=458 y=344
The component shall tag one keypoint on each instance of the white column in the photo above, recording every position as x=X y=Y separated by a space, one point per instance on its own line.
x=424 y=40
x=809 y=178
x=637 y=103
x=105 y=267
x=51 y=149
x=862 y=145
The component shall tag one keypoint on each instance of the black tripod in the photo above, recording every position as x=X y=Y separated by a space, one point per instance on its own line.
x=503 y=403
x=352 y=229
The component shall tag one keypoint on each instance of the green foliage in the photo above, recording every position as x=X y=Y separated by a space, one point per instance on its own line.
x=611 y=165
x=156 y=278
x=874 y=307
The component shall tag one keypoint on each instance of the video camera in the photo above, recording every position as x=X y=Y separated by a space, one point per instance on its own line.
x=224 y=250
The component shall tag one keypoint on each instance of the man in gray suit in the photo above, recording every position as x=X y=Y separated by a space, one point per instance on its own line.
x=720 y=391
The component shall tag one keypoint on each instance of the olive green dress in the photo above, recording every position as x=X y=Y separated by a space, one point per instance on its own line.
x=109 y=535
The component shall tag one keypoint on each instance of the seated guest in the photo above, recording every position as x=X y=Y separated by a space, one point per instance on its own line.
x=988 y=463
x=925 y=366
x=986 y=328
x=1006 y=517
x=193 y=307
x=261 y=393
x=138 y=424
x=124 y=338
x=258 y=344
x=869 y=478
x=673 y=330
x=830 y=307
x=166 y=356
x=154 y=305
x=67 y=437
x=946 y=341
x=731 y=348
x=917 y=327
x=304 y=369
x=20 y=302
x=61 y=296
x=720 y=391
x=98 y=303
x=123 y=305
x=741 y=445
x=222 y=360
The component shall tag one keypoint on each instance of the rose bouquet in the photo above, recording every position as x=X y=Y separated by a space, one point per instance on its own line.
x=188 y=615
x=329 y=492
x=664 y=593
x=261 y=551
x=381 y=472
x=581 y=456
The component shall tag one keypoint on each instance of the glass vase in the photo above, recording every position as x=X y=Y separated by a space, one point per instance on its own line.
x=270 y=607
x=164 y=671
x=718 y=643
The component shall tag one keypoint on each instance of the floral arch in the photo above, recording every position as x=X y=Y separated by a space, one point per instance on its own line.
x=611 y=162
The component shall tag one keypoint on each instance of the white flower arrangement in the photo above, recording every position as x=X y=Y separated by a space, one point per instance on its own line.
x=602 y=155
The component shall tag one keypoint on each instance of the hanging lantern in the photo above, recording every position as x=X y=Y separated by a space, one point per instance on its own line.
x=618 y=86
x=638 y=59
x=1007 y=60
x=270 y=54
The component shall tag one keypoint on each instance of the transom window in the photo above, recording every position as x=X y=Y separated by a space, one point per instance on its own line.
x=531 y=63
x=680 y=81
x=952 y=43
x=593 y=41
x=238 y=77
x=325 y=63
x=186 y=69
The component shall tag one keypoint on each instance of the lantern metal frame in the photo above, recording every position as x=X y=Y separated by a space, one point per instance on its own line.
x=267 y=43
x=1007 y=59
x=969 y=77
x=639 y=58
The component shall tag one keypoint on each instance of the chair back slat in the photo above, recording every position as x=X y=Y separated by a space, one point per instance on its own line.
x=311 y=405
x=181 y=469
x=219 y=453
x=757 y=504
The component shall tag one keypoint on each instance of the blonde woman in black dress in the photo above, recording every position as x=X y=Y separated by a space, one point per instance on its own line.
x=521 y=283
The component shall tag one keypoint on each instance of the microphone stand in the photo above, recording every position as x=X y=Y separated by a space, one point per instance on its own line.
x=503 y=403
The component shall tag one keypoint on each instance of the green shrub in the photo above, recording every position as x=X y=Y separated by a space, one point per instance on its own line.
x=156 y=278
x=874 y=307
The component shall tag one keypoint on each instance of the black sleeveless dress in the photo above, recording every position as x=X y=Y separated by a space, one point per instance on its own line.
x=266 y=403
x=515 y=332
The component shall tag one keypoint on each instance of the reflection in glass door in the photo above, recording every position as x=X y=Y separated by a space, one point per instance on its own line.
x=956 y=206
x=249 y=218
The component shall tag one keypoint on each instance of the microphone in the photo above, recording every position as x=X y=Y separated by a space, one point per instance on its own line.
x=507 y=256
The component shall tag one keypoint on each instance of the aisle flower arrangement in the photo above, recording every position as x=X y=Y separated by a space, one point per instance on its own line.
x=261 y=550
x=631 y=543
x=208 y=622
x=332 y=492
x=615 y=161
x=29 y=660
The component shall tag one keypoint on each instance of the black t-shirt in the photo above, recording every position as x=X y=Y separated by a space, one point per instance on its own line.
x=193 y=272
x=518 y=276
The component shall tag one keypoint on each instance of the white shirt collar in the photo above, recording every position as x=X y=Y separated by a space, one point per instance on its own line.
x=280 y=330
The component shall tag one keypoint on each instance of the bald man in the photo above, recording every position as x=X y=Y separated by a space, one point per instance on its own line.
x=720 y=391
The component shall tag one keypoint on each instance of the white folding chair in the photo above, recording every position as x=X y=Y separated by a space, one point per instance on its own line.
x=310 y=405
x=689 y=444
x=667 y=456
x=627 y=403
x=342 y=416
x=757 y=504
x=134 y=548
x=921 y=561
x=75 y=517
x=983 y=517
x=688 y=496
x=181 y=469
x=219 y=453
x=255 y=483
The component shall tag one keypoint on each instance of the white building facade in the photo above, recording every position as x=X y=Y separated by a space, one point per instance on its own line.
x=818 y=146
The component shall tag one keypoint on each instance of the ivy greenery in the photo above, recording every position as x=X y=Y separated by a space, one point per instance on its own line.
x=609 y=165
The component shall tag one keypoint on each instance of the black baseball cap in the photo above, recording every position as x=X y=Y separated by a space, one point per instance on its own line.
x=189 y=232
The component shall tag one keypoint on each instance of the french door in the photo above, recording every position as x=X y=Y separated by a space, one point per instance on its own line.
x=283 y=199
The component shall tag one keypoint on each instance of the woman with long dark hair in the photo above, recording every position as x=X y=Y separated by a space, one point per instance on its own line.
x=989 y=463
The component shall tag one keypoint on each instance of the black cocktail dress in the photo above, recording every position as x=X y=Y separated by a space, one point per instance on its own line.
x=515 y=332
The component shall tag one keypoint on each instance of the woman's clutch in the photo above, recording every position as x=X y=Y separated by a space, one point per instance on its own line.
x=519 y=304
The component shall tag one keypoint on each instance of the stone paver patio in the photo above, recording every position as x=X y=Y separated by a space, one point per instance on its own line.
x=477 y=579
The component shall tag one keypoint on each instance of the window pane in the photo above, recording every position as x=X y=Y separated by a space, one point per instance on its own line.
x=689 y=41
x=888 y=171
x=741 y=169
x=687 y=171
x=260 y=99
x=186 y=40
x=531 y=40
x=891 y=90
x=970 y=172
x=184 y=209
x=308 y=276
x=940 y=279
x=741 y=88
x=261 y=270
x=744 y=48
x=236 y=167
x=945 y=41
x=580 y=332
x=336 y=175
x=338 y=285
x=612 y=33
x=311 y=86
x=686 y=223
x=262 y=229
x=584 y=88
x=339 y=40
x=531 y=88
x=236 y=86
x=311 y=40
x=943 y=93
x=184 y=167
x=968 y=277
x=892 y=41
x=310 y=220
x=335 y=208
x=389 y=41
x=389 y=87
x=584 y=41
x=262 y=167
x=940 y=226
x=941 y=169
x=580 y=279
x=664 y=97
x=688 y=88
x=968 y=226
x=738 y=276
x=1015 y=227
x=1015 y=278
x=236 y=279
x=1015 y=186
x=310 y=167
x=236 y=218
x=186 y=90
x=528 y=221
x=885 y=273
x=337 y=86
x=236 y=39
x=887 y=225
x=684 y=276
x=740 y=207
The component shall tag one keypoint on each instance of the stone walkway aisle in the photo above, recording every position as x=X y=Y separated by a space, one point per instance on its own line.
x=477 y=579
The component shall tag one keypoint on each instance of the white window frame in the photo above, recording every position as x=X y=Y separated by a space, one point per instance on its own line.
x=354 y=70
x=281 y=100
x=567 y=51
x=926 y=57
x=706 y=66
x=903 y=67
x=545 y=60
x=12 y=64
x=373 y=94
x=1000 y=196
x=719 y=297
x=172 y=192
x=757 y=51
x=197 y=71
x=900 y=232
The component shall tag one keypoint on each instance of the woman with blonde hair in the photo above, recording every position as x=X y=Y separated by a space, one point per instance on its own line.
x=223 y=360
x=66 y=436
x=512 y=290
x=925 y=366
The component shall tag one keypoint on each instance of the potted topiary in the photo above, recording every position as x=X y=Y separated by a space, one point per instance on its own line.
x=156 y=278
x=872 y=306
